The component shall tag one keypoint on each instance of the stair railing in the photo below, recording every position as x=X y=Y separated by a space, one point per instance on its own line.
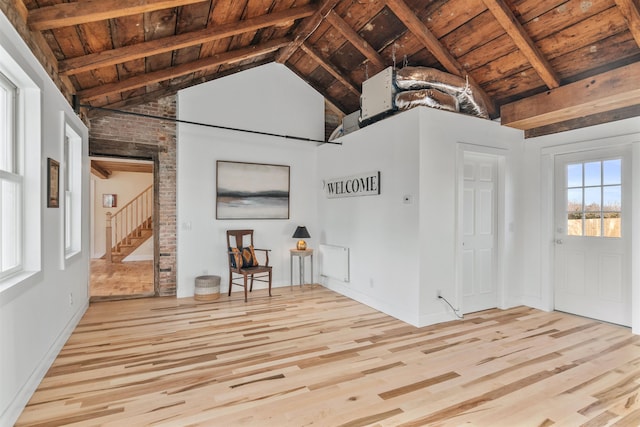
x=128 y=221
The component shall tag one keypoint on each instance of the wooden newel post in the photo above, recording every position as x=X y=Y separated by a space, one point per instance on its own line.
x=108 y=238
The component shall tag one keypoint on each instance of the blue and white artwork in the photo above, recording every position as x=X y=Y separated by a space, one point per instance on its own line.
x=252 y=191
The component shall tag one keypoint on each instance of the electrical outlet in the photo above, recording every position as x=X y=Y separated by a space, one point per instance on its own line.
x=70 y=298
x=438 y=293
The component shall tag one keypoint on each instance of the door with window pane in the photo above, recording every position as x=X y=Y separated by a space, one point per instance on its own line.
x=592 y=269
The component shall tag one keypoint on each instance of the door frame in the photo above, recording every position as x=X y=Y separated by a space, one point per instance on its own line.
x=547 y=211
x=502 y=158
x=594 y=245
x=137 y=151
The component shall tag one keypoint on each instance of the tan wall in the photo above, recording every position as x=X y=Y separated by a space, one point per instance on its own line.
x=126 y=186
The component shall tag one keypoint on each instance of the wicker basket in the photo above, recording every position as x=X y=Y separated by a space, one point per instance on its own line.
x=207 y=288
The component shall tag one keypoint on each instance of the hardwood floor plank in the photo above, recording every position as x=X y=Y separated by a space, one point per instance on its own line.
x=409 y=388
x=311 y=356
x=120 y=279
x=601 y=420
x=370 y=419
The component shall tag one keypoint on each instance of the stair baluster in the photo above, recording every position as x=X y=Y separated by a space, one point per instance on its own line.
x=129 y=223
x=108 y=237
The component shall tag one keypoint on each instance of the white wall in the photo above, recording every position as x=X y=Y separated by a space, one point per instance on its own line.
x=144 y=252
x=381 y=231
x=401 y=253
x=126 y=185
x=444 y=136
x=270 y=99
x=387 y=275
x=38 y=314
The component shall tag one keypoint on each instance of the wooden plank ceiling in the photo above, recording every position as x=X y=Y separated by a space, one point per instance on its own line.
x=105 y=168
x=544 y=65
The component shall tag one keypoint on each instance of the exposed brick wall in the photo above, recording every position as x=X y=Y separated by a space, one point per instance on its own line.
x=143 y=130
x=167 y=194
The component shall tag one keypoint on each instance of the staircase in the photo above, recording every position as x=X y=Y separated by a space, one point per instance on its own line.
x=132 y=241
x=129 y=227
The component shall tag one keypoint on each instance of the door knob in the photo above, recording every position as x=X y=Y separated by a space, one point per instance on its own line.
x=559 y=241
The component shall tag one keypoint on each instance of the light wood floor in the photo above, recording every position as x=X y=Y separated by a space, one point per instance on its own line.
x=313 y=357
x=120 y=279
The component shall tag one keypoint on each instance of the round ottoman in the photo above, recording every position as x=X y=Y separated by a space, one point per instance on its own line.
x=207 y=288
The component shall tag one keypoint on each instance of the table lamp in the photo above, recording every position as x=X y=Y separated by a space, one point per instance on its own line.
x=301 y=233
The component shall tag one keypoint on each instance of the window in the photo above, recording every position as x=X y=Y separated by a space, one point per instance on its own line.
x=20 y=172
x=72 y=190
x=11 y=182
x=594 y=198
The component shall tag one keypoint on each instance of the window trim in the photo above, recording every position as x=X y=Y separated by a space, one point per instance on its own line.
x=28 y=164
x=12 y=172
x=71 y=144
x=13 y=108
x=601 y=186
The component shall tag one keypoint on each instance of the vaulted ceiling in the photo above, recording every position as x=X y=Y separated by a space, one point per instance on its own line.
x=544 y=65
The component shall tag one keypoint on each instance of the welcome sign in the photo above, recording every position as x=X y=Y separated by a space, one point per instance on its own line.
x=365 y=184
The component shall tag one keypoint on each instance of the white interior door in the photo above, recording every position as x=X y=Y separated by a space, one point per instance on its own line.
x=479 y=225
x=592 y=235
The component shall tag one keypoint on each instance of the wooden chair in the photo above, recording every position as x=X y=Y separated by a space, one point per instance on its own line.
x=243 y=262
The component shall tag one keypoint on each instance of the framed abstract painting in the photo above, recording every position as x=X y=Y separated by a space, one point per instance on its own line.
x=251 y=190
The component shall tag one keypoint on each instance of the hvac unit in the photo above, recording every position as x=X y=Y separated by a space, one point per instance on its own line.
x=377 y=99
x=351 y=122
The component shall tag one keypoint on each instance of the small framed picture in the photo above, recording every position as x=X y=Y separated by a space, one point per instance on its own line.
x=109 y=200
x=53 y=180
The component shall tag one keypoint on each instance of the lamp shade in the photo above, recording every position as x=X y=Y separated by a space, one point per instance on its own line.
x=301 y=233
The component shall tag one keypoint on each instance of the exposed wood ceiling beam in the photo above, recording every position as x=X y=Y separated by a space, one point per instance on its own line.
x=136 y=82
x=331 y=69
x=605 y=92
x=167 y=44
x=433 y=45
x=334 y=108
x=631 y=13
x=581 y=122
x=126 y=150
x=426 y=37
x=354 y=38
x=334 y=102
x=17 y=13
x=99 y=171
x=81 y=12
x=527 y=47
x=111 y=166
x=170 y=90
x=305 y=29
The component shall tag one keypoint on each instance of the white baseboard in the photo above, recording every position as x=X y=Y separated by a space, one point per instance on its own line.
x=376 y=304
x=15 y=408
x=435 y=318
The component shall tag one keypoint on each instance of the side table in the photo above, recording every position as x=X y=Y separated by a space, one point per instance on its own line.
x=301 y=254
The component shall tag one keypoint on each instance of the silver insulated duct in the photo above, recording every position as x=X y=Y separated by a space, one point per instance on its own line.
x=392 y=90
x=414 y=78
